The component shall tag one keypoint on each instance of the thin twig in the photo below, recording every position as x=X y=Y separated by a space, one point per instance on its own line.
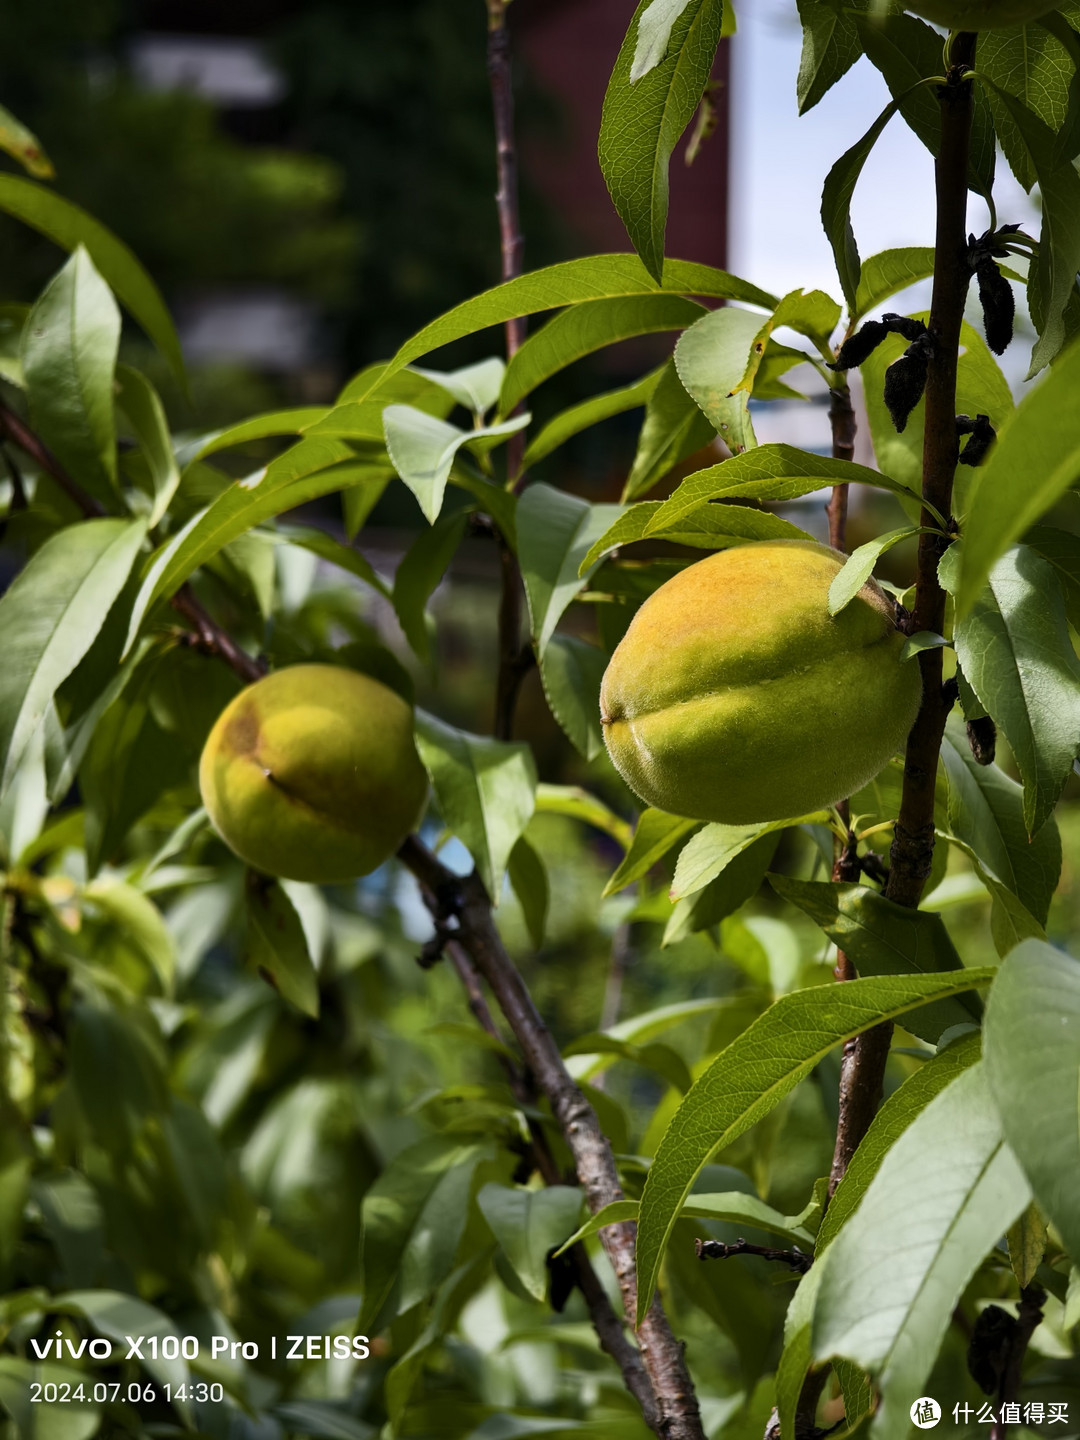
x=678 y=1417
x=794 y=1258
x=1028 y=1317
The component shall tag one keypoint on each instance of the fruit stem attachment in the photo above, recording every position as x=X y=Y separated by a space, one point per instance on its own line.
x=863 y=1066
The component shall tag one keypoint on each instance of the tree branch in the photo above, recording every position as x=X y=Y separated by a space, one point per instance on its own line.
x=661 y=1354
x=794 y=1258
x=865 y=1058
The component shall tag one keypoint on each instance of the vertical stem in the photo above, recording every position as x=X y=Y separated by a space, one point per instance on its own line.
x=511 y=669
x=842 y=423
x=913 y=837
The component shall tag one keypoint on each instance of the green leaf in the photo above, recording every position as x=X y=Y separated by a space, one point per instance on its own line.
x=1029 y=63
x=420 y=570
x=555 y=531
x=890 y=271
x=141 y=404
x=710 y=527
x=712 y=358
x=118 y=1316
x=259 y=427
x=413 y=1218
x=1027 y=1245
x=1062 y=549
x=771 y=472
x=986 y=813
x=24 y=146
x=312 y=468
x=859 y=566
x=585 y=328
x=577 y=804
x=714 y=847
x=424 y=448
x=942 y=1197
x=836 y=205
x=49 y=618
x=1041 y=442
x=673 y=429
x=1053 y=281
x=883 y=938
x=277 y=946
x=896 y=1114
x=590 y=412
x=731 y=1207
x=77 y=1420
x=646 y=111
x=141 y=923
x=571 y=671
x=591 y=278
x=655 y=834
x=1032 y=1048
x=476 y=387
x=68 y=355
x=529 y=881
x=830 y=46
x=754 y=1073
x=662 y=1060
x=737 y=882
x=345 y=557
x=486 y=791
x=528 y=1224
x=907 y=51
x=69 y=226
x=981 y=388
x=1016 y=655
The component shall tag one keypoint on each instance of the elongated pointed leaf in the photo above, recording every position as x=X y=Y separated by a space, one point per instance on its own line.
x=50 y=617
x=571 y=671
x=709 y=527
x=476 y=387
x=731 y=1206
x=420 y=570
x=754 y=1073
x=582 y=329
x=594 y=277
x=590 y=412
x=882 y=938
x=1016 y=654
x=1033 y=1063
x=771 y=472
x=655 y=835
x=143 y=408
x=304 y=472
x=944 y=1194
x=674 y=428
x=1041 y=441
x=277 y=947
x=645 y=112
x=68 y=356
x=890 y=271
x=859 y=566
x=258 y=427
x=829 y=49
x=528 y=1224
x=836 y=205
x=555 y=532
x=486 y=791
x=715 y=846
x=70 y=226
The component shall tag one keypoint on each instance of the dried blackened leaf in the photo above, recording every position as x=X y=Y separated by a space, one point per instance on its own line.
x=860 y=346
x=905 y=381
x=998 y=306
x=982 y=435
x=982 y=737
x=988 y=1352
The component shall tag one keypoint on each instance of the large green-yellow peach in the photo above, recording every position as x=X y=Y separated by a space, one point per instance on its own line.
x=736 y=696
x=981 y=14
x=312 y=774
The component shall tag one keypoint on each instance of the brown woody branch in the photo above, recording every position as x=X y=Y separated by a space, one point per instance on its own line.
x=794 y=1259
x=913 y=836
x=677 y=1415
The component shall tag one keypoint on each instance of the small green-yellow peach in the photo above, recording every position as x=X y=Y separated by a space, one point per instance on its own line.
x=735 y=696
x=312 y=774
x=981 y=14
